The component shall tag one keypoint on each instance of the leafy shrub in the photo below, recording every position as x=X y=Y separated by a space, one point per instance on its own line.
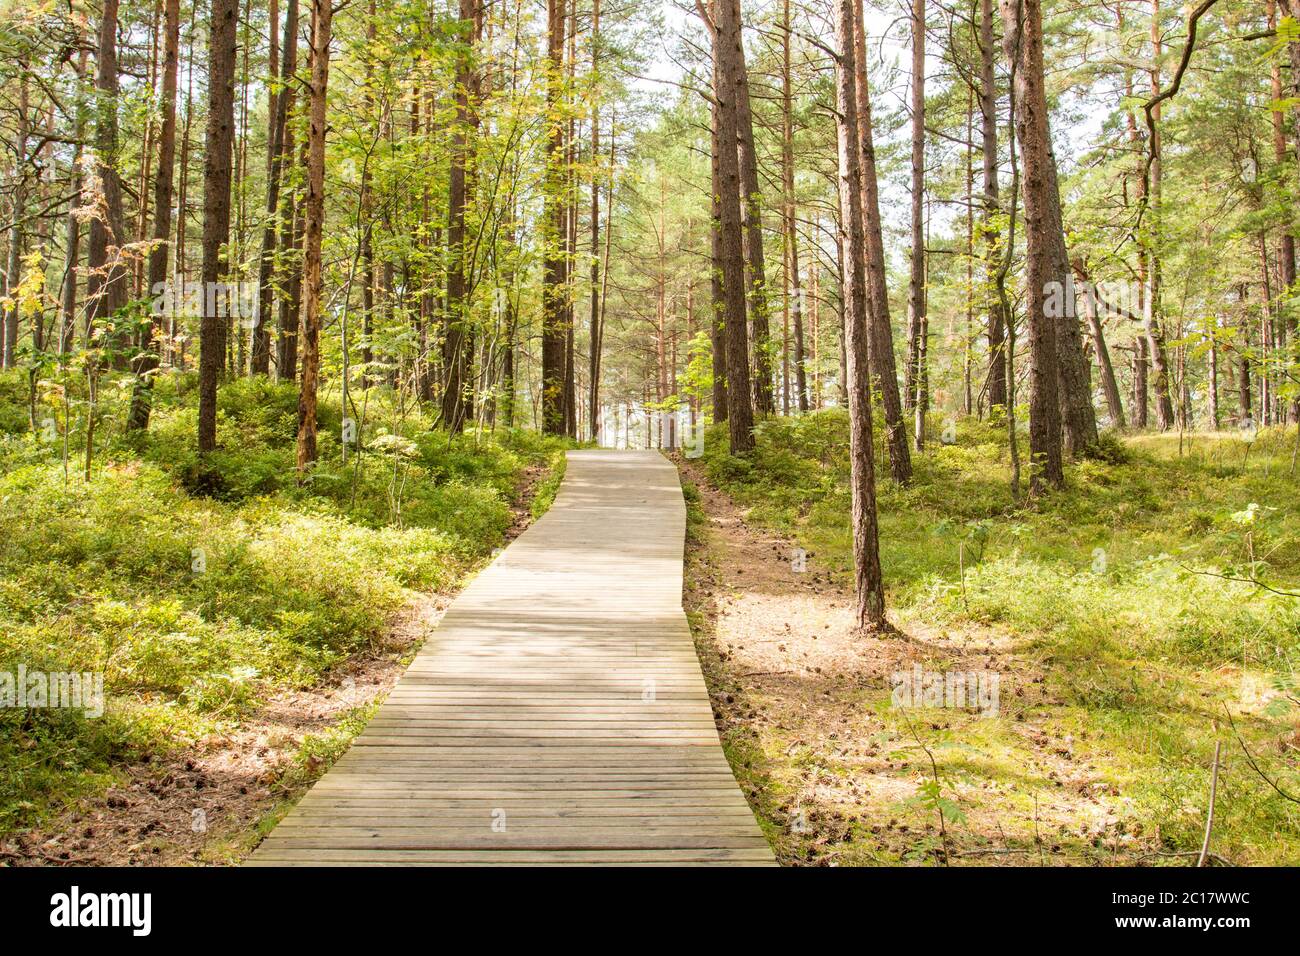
x=197 y=586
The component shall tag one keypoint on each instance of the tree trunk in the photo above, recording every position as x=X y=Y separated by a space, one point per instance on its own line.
x=718 y=303
x=570 y=234
x=147 y=360
x=1074 y=381
x=1287 y=251
x=457 y=348
x=9 y=339
x=367 y=242
x=868 y=578
x=884 y=369
x=997 y=381
x=1151 y=193
x=593 y=370
x=732 y=47
x=1114 y=404
x=216 y=217
x=313 y=224
x=279 y=144
x=72 y=229
x=1023 y=43
x=791 y=220
x=554 y=234
x=106 y=272
x=1140 y=343
x=740 y=412
x=1293 y=51
x=916 y=299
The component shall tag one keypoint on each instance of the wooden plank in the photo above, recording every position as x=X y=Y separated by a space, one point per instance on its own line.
x=557 y=716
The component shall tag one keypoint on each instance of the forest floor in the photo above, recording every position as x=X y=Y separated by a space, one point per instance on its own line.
x=1100 y=746
x=802 y=705
x=245 y=626
x=212 y=801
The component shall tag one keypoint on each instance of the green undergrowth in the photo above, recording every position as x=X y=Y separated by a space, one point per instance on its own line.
x=196 y=587
x=546 y=490
x=1119 y=589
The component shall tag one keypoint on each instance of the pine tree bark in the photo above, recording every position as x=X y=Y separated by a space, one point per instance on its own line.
x=868 y=577
x=884 y=368
x=1152 y=317
x=1291 y=8
x=1023 y=44
x=1078 y=417
x=279 y=143
x=1110 y=387
x=106 y=273
x=147 y=360
x=570 y=233
x=9 y=338
x=216 y=217
x=718 y=303
x=287 y=260
x=1245 y=405
x=313 y=226
x=740 y=410
x=457 y=355
x=916 y=304
x=997 y=320
x=791 y=220
x=369 y=276
x=1139 y=406
x=733 y=50
x=72 y=227
x=1054 y=281
x=1287 y=246
x=594 y=335
x=554 y=233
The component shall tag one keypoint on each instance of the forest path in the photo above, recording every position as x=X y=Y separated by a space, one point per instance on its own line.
x=556 y=716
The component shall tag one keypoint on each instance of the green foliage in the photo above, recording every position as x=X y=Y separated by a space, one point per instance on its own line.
x=549 y=487
x=198 y=587
x=1111 y=588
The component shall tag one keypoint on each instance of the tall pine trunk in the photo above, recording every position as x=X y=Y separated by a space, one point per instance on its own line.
x=718 y=302
x=593 y=372
x=277 y=142
x=147 y=360
x=72 y=228
x=866 y=545
x=554 y=233
x=216 y=217
x=106 y=273
x=313 y=225
x=740 y=410
x=9 y=340
x=1151 y=191
x=1110 y=387
x=1023 y=42
x=997 y=320
x=732 y=47
x=916 y=304
x=457 y=350
x=884 y=368
x=795 y=293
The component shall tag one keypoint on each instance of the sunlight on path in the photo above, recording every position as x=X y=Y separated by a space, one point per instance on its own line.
x=558 y=714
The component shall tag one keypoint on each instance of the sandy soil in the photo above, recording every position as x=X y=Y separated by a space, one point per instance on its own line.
x=802 y=703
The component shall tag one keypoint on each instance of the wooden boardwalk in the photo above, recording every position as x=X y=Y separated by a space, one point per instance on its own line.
x=557 y=715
